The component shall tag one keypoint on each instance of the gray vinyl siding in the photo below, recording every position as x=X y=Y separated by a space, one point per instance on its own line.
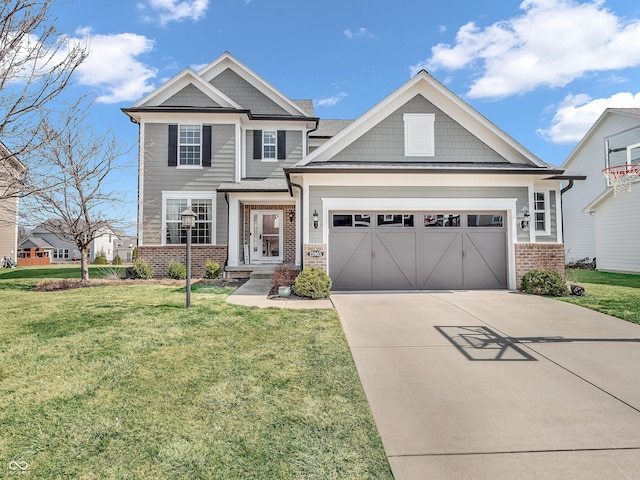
x=190 y=96
x=159 y=177
x=222 y=214
x=385 y=141
x=245 y=94
x=260 y=169
x=553 y=214
x=316 y=194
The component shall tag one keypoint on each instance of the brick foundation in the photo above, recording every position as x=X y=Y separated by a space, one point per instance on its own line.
x=160 y=256
x=320 y=262
x=538 y=256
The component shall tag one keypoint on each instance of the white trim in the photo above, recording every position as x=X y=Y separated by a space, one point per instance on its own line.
x=180 y=144
x=441 y=97
x=233 y=223
x=240 y=165
x=559 y=226
x=547 y=214
x=259 y=259
x=507 y=205
x=226 y=60
x=186 y=77
x=141 y=150
x=189 y=196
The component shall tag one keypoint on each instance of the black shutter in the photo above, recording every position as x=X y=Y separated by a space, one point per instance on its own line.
x=257 y=144
x=206 y=145
x=282 y=144
x=173 y=145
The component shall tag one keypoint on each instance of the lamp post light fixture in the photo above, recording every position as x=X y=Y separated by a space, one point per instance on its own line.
x=315 y=218
x=188 y=222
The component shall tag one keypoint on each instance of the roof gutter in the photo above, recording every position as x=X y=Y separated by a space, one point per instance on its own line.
x=300 y=214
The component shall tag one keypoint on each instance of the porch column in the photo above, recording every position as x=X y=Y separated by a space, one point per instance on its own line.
x=234 y=232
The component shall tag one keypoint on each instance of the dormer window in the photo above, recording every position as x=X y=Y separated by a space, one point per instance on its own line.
x=419 y=137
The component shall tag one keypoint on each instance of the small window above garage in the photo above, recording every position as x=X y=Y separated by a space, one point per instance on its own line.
x=419 y=137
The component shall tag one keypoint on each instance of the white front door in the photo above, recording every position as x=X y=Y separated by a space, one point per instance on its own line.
x=266 y=236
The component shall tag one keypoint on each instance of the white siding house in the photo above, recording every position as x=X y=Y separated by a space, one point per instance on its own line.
x=597 y=223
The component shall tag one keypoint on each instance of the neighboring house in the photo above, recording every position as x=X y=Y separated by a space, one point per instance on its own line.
x=597 y=223
x=421 y=192
x=34 y=251
x=10 y=167
x=124 y=247
x=65 y=250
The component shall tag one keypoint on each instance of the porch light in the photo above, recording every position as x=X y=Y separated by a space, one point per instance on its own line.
x=292 y=215
x=315 y=218
x=527 y=218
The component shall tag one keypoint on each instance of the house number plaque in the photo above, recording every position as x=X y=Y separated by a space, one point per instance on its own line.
x=316 y=253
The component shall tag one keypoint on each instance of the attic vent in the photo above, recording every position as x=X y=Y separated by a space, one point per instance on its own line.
x=419 y=134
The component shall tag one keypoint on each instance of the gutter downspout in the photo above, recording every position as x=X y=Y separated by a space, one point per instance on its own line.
x=300 y=215
x=226 y=199
x=562 y=192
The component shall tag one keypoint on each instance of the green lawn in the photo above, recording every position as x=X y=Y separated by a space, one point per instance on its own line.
x=124 y=382
x=615 y=294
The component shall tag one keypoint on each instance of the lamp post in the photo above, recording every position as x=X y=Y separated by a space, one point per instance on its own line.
x=188 y=222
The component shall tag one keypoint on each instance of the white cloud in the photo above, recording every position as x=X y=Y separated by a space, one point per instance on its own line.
x=329 y=102
x=166 y=11
x=552 y=43
x=113 y=68
x=442 y=28
x=358 y=33
x=577 y=113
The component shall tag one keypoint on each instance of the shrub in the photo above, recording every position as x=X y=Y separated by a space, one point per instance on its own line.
x=109 y=273
x=312 y=282
x=543 y=282
x=101 y=259
x=177 y=270
x=142 y=269
x=117 y=260
x=284 y=276
x=212 y=269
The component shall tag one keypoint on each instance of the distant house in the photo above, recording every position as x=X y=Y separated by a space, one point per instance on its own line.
x=598 y=223
x=124 y=247
x=34 y=251
x=64 y=249
x=10 y=167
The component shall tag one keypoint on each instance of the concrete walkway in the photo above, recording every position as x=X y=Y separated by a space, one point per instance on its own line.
x=254 y=294
x=497 y=385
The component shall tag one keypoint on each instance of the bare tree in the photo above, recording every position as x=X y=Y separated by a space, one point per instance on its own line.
x=79 y=202
x=36 y=64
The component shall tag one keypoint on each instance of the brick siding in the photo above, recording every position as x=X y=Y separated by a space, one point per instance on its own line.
x=539 y=256
x=160 y=256
x=320 y=262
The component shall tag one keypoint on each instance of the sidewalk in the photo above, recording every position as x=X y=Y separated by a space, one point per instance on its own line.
x=254 y=294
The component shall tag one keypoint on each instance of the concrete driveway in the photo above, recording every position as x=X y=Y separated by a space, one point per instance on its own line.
x=497 y=385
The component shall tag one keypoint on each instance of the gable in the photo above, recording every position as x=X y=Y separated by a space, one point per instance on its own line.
x=245 y=94
x=385 y=141
x=190 y=96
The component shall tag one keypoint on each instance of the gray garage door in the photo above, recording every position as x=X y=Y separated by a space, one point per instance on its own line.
x=417 y=250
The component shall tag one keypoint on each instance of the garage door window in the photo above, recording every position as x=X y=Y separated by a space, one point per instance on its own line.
x=351 y=220
x=485 y=220
x=441 y=220
x=395 y=220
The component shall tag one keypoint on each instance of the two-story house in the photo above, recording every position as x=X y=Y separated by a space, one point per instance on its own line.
x=420 y=192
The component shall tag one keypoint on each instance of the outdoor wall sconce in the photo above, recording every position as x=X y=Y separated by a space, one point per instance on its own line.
x=292 y=215
x=315 y=218
x=525 y=222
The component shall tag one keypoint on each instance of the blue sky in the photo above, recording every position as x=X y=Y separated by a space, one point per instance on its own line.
x=541 y=70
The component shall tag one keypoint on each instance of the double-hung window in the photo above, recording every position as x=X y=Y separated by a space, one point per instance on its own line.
x=269 y=144
x=202 y=205
x=541 y=212
x=189 y=146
